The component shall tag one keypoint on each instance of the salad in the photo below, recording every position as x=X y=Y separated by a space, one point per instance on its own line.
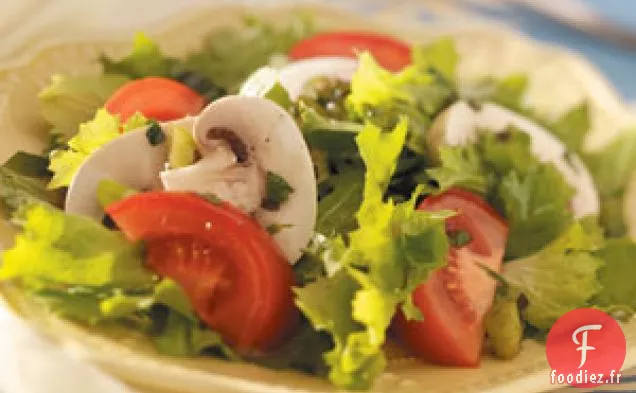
x=299 y=199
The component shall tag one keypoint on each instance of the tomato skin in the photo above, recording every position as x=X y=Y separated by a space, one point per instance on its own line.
x=455 y=299
x=235 y=276
x=160 y=99
x=389 y=52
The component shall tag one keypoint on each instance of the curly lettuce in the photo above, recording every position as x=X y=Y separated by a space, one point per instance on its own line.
x=229 y=56
x=393 y=250
x=71 y=100
x=85 y=272
x=92 y=135
x=72 y=250
x=561 y=277
x=419 y=92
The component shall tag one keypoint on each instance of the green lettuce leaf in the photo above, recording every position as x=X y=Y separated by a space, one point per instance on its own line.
x=174 y=339
x=85 y=272
x=183 y=148
x=73 y=250
x=392 y=251
x=110 y=191
x=147 y=59
x=302 y=352
x=561 y=277
x=308 y=269
x=460 y=167
x=23 y=181
x=537 y=208
x=71 y=100
x=77 y=305
x=336 y=211
x=335 y=317
x=509 y=91
x=420 y=91
x=118 y=304
x=277 y=191
x=572 y=127
x=182 y=337
x=506 y=151
x=92 y=135
x=323 y=256
x=29 y=165
x=533 y=196
x=229 y=56
x=440 y=56
x=121 y=305
x=616 y=276
x=612 y=169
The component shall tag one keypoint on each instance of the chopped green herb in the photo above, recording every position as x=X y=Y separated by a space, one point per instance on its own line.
x=275 y=228
x=459 y=238
x=327 y=97
x=212 y=198
x=155 y=134
x=278 y=191
x=197 y=82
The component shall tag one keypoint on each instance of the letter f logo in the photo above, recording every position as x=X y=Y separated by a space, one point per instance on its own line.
x=583 y=344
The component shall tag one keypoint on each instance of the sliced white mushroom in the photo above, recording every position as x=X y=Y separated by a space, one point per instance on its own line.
x=461 y=123
x=130 y=160
x=294 y=76
x=241 y=140
x=219 y=173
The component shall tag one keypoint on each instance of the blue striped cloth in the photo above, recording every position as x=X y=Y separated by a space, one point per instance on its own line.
x=616 y=63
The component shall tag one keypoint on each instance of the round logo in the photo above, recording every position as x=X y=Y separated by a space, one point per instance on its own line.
x=585 y=348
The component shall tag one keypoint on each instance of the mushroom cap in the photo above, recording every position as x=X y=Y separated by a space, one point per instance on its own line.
x=130 y=160
x=276 y=144
x=462 y=122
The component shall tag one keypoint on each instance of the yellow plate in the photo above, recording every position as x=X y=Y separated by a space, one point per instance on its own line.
x=558 y=81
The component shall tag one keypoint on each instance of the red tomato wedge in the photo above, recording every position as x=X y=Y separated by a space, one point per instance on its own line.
x=455 y=299
x=160 y=99
x=236 y=278
x=389 y=52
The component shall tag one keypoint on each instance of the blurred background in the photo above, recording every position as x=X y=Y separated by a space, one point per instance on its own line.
x=602 y=30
